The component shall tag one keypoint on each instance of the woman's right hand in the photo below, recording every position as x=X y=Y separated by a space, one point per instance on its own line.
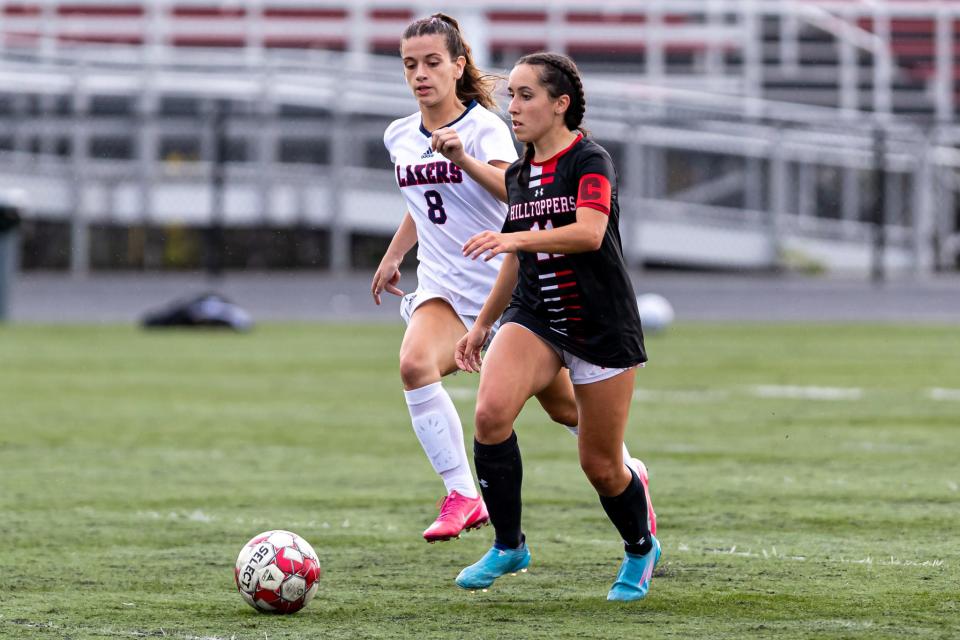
x=467 y=354
x=447 y=143
x=386 y=279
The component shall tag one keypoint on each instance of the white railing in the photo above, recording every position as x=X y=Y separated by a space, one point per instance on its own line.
x=722 y=39
x=781 y=145
x=791 y=141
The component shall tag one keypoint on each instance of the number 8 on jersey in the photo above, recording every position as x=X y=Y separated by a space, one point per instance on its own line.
x=435 y=209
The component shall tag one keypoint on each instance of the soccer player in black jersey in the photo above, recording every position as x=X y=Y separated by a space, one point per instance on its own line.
x=566 y=300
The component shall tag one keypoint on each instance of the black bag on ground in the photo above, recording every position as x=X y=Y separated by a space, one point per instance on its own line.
x=205 y=310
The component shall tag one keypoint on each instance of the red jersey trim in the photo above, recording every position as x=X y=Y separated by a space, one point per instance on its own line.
x=594 y=192
x=595 y=206
x=554 y=158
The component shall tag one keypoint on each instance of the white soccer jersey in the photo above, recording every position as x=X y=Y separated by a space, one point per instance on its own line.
x=447 y=205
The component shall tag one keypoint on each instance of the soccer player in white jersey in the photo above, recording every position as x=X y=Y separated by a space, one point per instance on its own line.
x=447 y=204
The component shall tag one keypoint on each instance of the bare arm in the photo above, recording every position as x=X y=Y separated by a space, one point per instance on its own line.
x=499 y=297
x=467 y=354
x=586 y=234
x=488 y=175
x=388 y=273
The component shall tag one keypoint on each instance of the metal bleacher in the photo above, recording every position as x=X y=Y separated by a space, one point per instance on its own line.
x=748 y=133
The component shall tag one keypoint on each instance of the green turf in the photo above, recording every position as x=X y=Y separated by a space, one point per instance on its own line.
x=134 y=465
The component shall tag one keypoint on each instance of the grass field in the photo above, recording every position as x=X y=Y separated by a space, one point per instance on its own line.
x=806 y=479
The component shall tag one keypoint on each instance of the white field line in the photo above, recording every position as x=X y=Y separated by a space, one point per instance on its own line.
x=264 y=523
x=462 y=393
x=767 y=391
x=759 y=391
x=194 y=516
x=806 y=392
x=639 y=395
x=773 y=554
x=939 y=393
x=679 y=395
x=109 y=631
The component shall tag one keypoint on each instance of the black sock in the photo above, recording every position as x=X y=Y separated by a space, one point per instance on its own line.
x=628 y=512
x=500 y=472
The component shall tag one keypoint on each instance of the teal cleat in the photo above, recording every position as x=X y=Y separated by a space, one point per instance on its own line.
x=635 y=575
x=492 y=565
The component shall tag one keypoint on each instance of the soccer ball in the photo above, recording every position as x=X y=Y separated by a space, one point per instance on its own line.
x=656 y=312
x=277 y=572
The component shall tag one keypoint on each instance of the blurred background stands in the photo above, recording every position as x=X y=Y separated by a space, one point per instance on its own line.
x=749 y=134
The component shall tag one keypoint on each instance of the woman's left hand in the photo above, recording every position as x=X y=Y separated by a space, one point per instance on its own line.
x=467 y=352
x=491 y=243
x=447 y=142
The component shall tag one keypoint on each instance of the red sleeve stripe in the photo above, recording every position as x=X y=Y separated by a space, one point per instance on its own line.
x=594 y=192
x=596 y=206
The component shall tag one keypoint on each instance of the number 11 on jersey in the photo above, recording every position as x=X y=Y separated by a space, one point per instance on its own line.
x=547 y=225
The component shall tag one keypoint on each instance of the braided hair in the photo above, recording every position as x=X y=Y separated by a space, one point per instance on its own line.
x=560 y=76
x=472 y=85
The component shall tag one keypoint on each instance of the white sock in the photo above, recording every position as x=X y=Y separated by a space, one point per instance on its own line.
x=626 y=452
x=437 y=425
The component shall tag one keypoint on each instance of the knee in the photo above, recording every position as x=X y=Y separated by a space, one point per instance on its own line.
x=605 y=474
x=415 y=370
x=492 y=422
x=565 y=414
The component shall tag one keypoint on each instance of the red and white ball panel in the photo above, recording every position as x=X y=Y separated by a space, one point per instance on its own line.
x=281 y=538
x=277 y=571
x=307 y=550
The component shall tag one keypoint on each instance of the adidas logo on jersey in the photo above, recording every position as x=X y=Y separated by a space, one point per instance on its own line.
x=427 y=154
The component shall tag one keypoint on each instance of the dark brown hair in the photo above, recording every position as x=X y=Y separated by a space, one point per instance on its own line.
x=560 y=76
x=472 y=85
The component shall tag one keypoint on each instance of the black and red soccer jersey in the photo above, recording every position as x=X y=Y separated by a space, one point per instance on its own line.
x=581 y=302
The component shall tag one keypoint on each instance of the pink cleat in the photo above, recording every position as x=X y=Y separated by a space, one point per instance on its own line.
x=457 y=514
x=637 y=465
